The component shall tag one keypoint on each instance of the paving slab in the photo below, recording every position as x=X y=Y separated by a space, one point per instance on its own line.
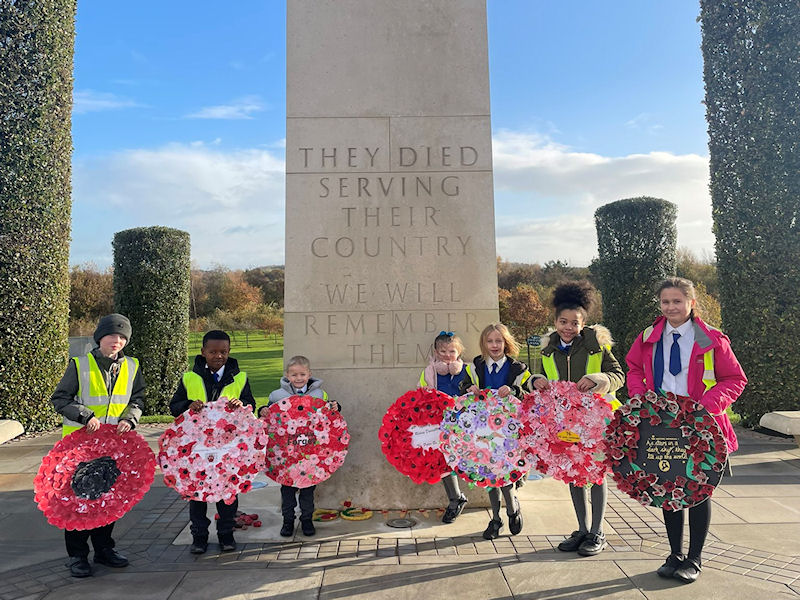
x=762 y=510
x=780 y=538
x=274 y=583
x=406 y=582
x=574 y=580
x=116 y=584
x=711 y=585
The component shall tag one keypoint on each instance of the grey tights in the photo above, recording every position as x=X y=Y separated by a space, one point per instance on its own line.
x=512 y=505
x=598 y=494
x=450 y=483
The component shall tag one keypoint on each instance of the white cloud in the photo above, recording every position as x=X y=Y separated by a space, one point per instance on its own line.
x=241 y=108
x=230 y=202
x=85 y=101
x=644 y=122
x=546 y=195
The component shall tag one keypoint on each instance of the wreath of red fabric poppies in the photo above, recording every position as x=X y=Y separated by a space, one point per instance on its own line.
x=213 y=454
x=480 y=439
x=89 y=480
x=706 y=451
x=567 y=433
x=409 y=434
x=307 y=441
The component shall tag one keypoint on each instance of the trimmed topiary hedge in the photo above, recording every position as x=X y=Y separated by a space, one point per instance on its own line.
x=36 y=49
x=636 y=243
x=151 y=287
x=752 y=75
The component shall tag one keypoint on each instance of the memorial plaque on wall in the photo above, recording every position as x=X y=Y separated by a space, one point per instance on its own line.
x=666 y=451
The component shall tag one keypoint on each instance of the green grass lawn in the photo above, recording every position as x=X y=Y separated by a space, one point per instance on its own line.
x=259 y=356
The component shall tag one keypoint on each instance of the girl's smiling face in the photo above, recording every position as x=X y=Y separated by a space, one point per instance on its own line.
x=495 y=345
x=676 y=306
x=569 y=323
x=446 y=352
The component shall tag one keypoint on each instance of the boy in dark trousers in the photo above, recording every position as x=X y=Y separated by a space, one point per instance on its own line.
x=215 y=375
x=112 y=392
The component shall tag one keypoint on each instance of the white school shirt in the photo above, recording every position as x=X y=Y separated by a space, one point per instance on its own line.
x=490 y=361
x=678 y=384
x=219 y=373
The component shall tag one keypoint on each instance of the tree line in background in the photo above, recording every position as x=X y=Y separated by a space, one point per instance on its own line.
x=220 y=298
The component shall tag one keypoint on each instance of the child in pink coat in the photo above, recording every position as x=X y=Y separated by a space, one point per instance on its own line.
x=702 y=367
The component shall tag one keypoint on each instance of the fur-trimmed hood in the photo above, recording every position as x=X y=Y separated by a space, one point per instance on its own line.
x=593 y=336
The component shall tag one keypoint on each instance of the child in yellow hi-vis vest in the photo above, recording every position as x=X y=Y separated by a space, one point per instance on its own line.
x=582 y=355
x=215 y=375
x=115 y=396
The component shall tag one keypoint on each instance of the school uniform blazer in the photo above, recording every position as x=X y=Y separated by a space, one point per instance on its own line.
x=728 y=373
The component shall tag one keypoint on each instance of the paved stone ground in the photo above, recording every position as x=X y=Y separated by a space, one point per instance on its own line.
x=760 y=501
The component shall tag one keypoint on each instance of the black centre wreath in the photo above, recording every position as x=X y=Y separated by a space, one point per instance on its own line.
x=666 y=451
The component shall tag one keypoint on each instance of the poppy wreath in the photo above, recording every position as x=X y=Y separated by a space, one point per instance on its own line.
x=307 y=441
x=480 y=439
x=89 y=480
x=213 y=454
x=409 y=434
x=567 y=433
x=705 y=451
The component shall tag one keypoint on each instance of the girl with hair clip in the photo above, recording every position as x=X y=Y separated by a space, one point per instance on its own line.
x=444 y=373
x=495 y=368
x=582 y=355
x=681 y=354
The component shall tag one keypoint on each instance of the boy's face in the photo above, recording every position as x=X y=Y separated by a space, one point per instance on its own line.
x=216 y=353
x=111 y=344
x=298 y=376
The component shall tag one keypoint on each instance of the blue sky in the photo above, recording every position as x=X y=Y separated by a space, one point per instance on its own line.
x=179 y=120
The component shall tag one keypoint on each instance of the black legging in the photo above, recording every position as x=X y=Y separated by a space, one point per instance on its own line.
x=699 y=521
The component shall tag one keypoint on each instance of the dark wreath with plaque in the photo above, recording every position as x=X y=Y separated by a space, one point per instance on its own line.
x=666 y=451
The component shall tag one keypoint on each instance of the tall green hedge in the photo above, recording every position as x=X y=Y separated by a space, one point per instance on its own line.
x=636 y=244
x=36 y=48
x=752 y=76
x=151 y=287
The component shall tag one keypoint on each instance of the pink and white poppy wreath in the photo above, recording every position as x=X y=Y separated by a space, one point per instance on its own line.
x=307 y=441
x=567 y=433
x=89 y=480
x=480 y=439
x=213 y=454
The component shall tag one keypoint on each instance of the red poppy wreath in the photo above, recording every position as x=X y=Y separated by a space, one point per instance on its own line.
x=307 y=441
x=410 y=432
x=89 y=480
x=568 y=432
x=213 y=454
x=666 y=451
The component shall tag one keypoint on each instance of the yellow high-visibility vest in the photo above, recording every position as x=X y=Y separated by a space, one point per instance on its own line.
x=196 y=389
x=594 y=364
x=93 y=394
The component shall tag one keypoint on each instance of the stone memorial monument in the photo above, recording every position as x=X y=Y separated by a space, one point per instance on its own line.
x=389 y=210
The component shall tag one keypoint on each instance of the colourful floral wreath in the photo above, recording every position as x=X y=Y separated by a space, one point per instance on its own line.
x=567 y=432
x=91 y=479
x=307 y=441
x=480 y=439
x=213 y=454
x=409 y=434
x=707 y=451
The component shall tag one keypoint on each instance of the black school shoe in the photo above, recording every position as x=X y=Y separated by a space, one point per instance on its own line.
x=515 y=520
x=110 y=558
x=288 y=528
x=79 y=566
x=573 y=542
x=307 y=525
x=199 y=545
x=670 y=565
x=592 y=544
x=454 y=509
x=688 y=571
x=492 y=532
x=227 y=543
